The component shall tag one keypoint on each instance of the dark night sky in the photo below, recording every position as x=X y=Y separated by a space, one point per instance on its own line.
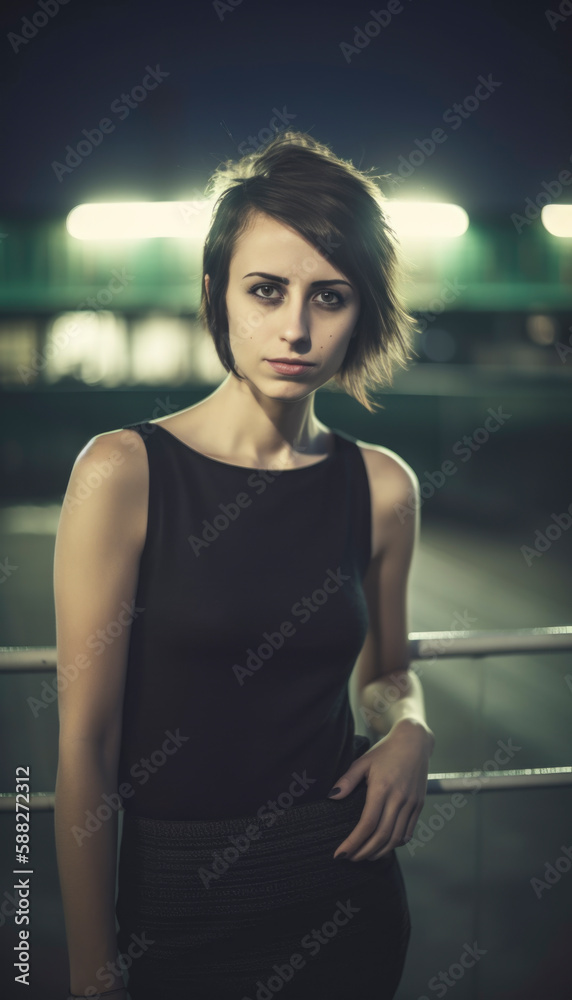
x=264 y=55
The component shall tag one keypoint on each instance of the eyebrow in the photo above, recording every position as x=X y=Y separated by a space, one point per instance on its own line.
x=286 y=281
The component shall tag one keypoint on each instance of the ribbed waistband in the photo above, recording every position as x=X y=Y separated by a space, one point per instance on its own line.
x=206 y=871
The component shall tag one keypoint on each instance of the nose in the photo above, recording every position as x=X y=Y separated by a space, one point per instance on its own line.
x=294 y=319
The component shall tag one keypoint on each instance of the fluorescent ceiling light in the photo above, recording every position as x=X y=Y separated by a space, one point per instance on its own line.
x=139 y=220
x=191 y=219
x=426 y=219
x=557 y=219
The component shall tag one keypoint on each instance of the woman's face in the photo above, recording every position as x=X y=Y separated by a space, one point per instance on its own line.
x=276 y=310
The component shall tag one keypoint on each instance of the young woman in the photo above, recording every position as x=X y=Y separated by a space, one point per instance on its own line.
x=239 y=563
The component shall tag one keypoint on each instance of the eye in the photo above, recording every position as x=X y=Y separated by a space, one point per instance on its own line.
x=338 y=301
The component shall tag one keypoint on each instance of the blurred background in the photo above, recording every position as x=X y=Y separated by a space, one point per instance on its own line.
x=120 y=102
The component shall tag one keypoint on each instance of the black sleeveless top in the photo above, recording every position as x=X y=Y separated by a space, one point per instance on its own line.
x=249 y=616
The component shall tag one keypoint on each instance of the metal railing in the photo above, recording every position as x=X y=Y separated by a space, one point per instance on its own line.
x=422 y=646
x=429 y=646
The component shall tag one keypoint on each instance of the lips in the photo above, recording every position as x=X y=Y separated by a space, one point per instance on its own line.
x=291 y=361
x=289 y=367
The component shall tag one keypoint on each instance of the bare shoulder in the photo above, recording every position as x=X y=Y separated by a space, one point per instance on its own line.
x=393 y=485
x=391 y=478
x=121 y=449
x=112 y=470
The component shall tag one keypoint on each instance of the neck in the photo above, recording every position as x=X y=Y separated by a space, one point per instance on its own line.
x=249 y=423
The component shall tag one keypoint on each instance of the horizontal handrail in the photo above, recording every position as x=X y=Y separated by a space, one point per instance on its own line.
x=421 y=645
x=437 y=784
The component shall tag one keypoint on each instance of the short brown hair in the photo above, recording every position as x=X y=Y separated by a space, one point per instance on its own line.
x=336 y=207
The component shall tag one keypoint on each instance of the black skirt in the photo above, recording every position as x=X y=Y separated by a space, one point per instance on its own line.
x=243 y=908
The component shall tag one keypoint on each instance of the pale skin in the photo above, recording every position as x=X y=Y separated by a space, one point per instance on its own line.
x=265 y=421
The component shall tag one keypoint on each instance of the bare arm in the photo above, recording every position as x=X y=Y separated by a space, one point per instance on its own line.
x=98 y=546
x=390 y=698
x=388 y=692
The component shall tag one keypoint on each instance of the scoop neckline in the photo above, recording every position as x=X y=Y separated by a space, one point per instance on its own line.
x=250 y=468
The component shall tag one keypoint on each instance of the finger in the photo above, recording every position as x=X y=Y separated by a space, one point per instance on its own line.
x=396 y=841
x=395 y=831
x=367 y=824
x=390 y=831
x=373 y=835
